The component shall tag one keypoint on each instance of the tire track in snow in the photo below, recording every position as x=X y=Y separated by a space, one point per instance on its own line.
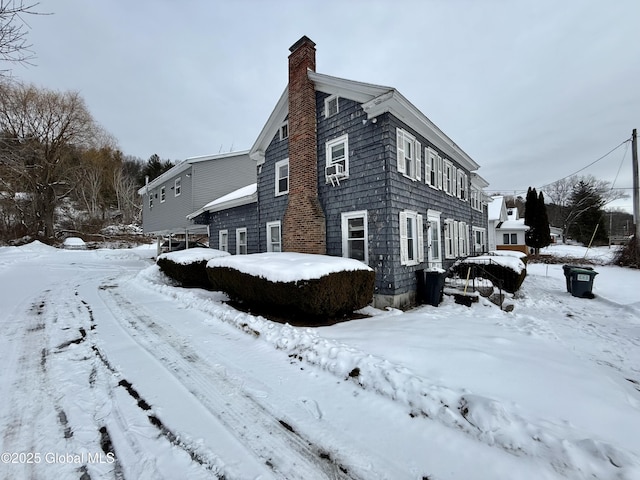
x=280 y=446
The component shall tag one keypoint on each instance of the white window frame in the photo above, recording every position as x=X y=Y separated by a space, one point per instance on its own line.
x=163 y=193
x=345 y=217
x=431 y=159
x=411 y=254
x=434 y=249
x=177 y=187
x=151 y=201
x=411 y=156
x=463 y=239
x=271 y=245
x=475 y=199
x=463 y=185
x=284 y=130
x=242 y=248
x=448 y=180
x=279 y=164
x=223 y=240
x=328 y=111
x=479 y=247
x=344 y=139
x=451 y=238
x=510 y=237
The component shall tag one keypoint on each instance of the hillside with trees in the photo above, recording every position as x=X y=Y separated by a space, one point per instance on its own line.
x=59 y=170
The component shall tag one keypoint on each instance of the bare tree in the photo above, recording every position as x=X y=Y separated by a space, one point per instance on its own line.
x=563 y=211
x=39 y=128
x=125 y=187
x=14 y=47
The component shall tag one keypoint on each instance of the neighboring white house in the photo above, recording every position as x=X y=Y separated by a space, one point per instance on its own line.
x=506 y=228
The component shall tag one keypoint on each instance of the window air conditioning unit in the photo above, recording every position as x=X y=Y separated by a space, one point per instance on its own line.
x=334 y=172
x=335 y=169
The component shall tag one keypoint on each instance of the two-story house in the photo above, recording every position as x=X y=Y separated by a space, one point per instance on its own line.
x=352 y=169
x=188 y=186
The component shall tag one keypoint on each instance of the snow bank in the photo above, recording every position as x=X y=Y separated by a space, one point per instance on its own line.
x=570 y=449
x=288 y=266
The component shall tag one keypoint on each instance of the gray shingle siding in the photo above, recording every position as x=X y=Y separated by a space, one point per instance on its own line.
x=364 y=189
x=373 y=185
x=272 y=207
x=244 y=216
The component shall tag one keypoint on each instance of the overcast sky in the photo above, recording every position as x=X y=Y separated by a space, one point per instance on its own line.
x=531 y=90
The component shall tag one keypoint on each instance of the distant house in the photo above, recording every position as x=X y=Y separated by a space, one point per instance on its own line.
x=352 y=169
x=188 y=186
x=506 y=228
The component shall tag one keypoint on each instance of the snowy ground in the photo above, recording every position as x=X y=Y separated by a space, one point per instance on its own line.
x=110 y=371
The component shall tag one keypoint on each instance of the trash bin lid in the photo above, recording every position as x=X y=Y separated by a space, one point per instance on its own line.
x=588 y=271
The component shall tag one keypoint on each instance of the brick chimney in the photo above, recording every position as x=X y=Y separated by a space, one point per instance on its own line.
x=304 y=224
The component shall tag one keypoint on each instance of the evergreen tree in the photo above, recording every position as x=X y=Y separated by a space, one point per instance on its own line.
x=154 y=168
x=530 y=207
x=543 y=230
x=535 y=217
x=587 y=214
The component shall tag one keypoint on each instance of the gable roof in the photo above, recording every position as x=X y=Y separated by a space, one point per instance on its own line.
x=375 y=100
x=185 y=165
x=497 y=209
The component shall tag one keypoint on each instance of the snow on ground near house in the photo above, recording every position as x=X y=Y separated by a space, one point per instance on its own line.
x=191 y=255
x=103 y=356
x=288 y=266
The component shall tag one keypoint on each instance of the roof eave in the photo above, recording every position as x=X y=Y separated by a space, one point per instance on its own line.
x=276 y=118
x=396 y=104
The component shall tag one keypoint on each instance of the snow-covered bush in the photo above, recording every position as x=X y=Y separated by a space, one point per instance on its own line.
x=188 y=267
x=294 y=285
x=505 y=271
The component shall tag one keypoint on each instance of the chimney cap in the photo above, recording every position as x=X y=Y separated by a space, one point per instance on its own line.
x=300 y=42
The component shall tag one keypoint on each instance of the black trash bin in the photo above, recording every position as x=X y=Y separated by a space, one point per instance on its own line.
x=567 y=273
x=430 y=287
x=582 y=282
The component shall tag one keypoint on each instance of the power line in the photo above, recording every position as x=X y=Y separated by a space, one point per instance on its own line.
x=592 y=163
x=516 y=191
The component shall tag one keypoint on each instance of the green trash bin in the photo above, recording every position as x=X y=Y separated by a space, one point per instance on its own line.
x=567 y=273
x=582 y=282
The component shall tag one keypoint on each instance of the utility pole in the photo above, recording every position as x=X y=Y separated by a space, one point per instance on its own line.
x=636 y=186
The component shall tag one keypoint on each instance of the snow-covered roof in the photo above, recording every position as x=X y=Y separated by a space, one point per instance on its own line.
x=497 y=209
x=239 y=197
x=512 y=225
x=375 y=100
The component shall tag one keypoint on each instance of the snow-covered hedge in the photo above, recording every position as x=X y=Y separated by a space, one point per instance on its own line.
x=294 y=285
x=188 y=267
x=507 y=271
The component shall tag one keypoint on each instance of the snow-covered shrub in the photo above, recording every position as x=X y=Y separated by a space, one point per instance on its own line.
x=188 y=267
x=294 y=285
x=506 y=272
